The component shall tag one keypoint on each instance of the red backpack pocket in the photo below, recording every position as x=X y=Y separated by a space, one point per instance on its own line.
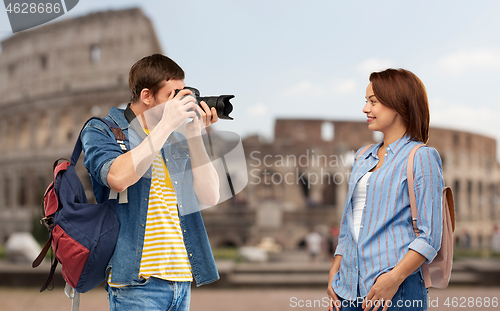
x=71 y=254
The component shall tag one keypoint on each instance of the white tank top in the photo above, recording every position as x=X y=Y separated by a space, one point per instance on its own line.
x=359 y=203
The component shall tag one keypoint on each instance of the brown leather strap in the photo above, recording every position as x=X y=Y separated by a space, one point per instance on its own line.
x=363 y=151
x=119 y=135
x=409 y=178
x=42 y=254
x=51 y=275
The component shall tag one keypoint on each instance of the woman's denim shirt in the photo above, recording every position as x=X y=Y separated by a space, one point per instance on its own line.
x=101 y=149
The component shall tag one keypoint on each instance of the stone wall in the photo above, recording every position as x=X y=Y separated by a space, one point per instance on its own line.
x=52 y=79
x=56 y=76
x=298 y=182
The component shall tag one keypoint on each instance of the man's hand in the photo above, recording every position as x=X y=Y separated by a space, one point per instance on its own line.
x=206 y=117
x=205 y=178
x=382 y=291
x=177 y=109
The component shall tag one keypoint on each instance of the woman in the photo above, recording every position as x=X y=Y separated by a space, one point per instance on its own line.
x=378 y=258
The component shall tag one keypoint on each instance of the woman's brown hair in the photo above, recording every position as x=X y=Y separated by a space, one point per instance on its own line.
x=403 y=91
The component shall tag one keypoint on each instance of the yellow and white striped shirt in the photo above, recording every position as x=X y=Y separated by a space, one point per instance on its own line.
x=164 y=254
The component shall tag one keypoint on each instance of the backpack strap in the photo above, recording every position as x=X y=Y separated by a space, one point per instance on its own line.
x=42 y=254
x=51 y=275
x=74 y=296
x=365 y=148
x=409 y=178
x=413 y=205
x=119 y=136
x=120 y=140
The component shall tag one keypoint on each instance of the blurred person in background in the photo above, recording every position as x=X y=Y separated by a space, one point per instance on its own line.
x=314 y=244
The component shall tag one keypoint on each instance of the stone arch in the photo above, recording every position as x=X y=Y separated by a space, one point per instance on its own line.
x=42 y=130
x=24 y=134
x=95 y=53
x=271 y=185
x=305 y=185
x=22 y=193
x=228 y=243
x=456 y=197
x=330 y=189
x=3 y=136
x=40 y=185
x=65 y=127
x=7 y=191
x=11 y=136
x=227 y=240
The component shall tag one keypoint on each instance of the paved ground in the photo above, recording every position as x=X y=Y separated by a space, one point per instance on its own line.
x=255 y=298
x=239 y=299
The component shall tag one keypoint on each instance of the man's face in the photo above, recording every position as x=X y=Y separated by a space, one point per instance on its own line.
x=167 y=88
x=156 y=109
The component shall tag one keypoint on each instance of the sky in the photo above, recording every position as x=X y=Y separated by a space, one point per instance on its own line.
x=312 y=59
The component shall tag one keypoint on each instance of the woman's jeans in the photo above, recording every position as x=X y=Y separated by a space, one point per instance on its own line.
x=411 y=295
x=154 y=295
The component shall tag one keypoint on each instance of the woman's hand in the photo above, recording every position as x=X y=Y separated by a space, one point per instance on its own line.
x=332 y=304
x=382 y=291
x=334 y=300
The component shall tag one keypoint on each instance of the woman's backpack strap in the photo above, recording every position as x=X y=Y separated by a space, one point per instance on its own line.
x=409 y=178
x=365 y=148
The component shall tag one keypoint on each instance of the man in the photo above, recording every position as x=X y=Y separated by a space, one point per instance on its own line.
x=162 y=245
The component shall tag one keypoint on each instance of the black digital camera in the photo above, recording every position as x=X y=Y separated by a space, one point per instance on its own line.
x=221 y=103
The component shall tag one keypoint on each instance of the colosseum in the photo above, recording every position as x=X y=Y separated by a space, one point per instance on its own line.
x=298 y=182
x=55 y=77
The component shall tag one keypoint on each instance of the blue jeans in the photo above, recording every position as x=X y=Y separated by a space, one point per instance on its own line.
x=411 y=296
x=154 y=295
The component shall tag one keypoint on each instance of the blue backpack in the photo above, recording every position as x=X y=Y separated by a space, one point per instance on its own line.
x=82 y=235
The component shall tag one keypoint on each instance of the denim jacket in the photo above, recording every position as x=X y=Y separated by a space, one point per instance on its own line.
x=101 y=149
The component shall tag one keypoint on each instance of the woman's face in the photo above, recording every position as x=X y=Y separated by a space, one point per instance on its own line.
x=380 y=118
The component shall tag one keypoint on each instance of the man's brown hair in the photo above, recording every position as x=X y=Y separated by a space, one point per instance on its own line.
x=150 y=72
x=403 y=91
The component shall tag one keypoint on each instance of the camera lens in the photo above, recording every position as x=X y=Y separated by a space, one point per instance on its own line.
x=221 y=103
